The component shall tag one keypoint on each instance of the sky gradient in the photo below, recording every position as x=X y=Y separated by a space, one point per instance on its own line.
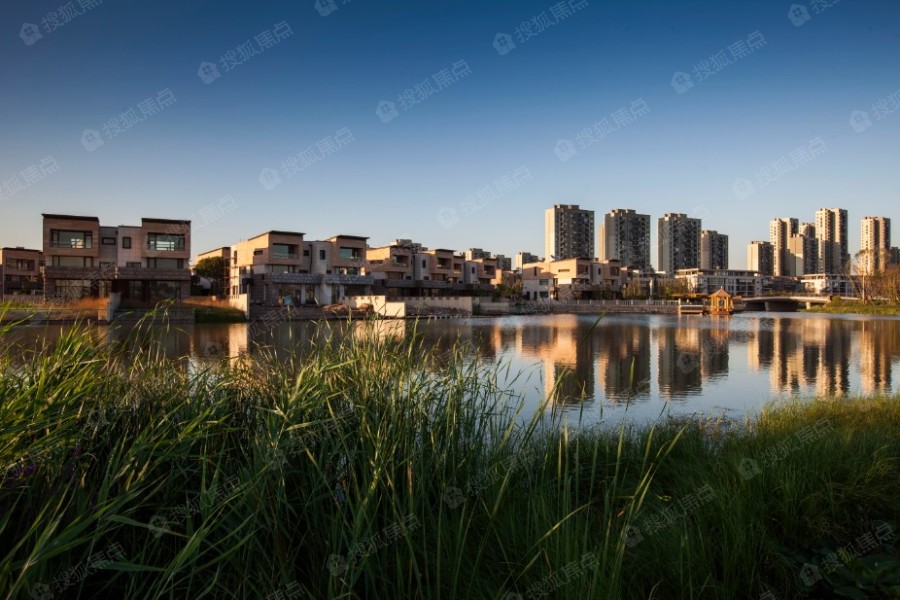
x=777 y=114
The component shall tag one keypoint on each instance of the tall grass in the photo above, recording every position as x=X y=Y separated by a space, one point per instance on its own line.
x=370 y=467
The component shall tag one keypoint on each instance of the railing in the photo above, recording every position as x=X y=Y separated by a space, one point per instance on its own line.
x=594 y=306
x=348 y=279
x=295 y=278
x=151 y=273
x=612 y=302
x=73 y=246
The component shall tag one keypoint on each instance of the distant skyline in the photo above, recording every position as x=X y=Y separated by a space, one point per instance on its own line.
x=761 y=123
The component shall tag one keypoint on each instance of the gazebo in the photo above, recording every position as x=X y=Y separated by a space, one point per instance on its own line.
x=721 y=303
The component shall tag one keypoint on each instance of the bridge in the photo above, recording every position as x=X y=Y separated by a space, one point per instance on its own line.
x=785 y=303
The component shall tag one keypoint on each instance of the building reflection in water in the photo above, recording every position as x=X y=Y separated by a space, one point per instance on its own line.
x=680 y=357
x=623 y=360
x=610 y=360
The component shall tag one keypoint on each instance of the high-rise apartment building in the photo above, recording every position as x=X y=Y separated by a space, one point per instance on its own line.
x=504 y=263
x=761 y=257
x=803 y=255
x=713 y=250
x=475 y=254
x=568 y=232
x=831 y=230
x=679 y=243
x=625 y=236
x=523 y=258
x=780 y=232
x=807 y=229
x=875 y=243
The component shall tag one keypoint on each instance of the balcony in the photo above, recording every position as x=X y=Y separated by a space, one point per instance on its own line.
x=294 y=278
x=51 y=272
x=144 y=273
x=399 y=283
x=347 y=279
x=123 y=273
x=284 y=256
x=432 y=284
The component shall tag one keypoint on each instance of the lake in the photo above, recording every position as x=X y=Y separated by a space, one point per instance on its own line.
x=637 y=366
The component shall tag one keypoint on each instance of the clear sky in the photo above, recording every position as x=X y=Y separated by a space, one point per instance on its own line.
x=771 y=104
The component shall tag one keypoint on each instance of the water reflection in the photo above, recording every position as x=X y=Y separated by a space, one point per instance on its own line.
x=642 y=362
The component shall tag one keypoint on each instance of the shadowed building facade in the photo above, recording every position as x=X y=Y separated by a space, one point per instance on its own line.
x=568 y=232
x=145 y=262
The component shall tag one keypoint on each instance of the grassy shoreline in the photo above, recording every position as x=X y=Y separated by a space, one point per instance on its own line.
x=358 y=471
x=855 y=307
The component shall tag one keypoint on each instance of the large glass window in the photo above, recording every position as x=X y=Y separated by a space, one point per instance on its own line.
x=63 y=238
x=72 y=261
x=20 y=264
x=165 y=242
x=284 y=251
x=282 y=268
x=349 y=253
x=165 y=263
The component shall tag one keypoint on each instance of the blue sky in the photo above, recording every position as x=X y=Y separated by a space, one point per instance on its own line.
x=475 y=161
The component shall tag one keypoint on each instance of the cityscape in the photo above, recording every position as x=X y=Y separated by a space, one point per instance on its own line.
x=451 y=300
x=581 y=261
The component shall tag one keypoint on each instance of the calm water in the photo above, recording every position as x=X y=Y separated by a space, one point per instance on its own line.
x=642 y=364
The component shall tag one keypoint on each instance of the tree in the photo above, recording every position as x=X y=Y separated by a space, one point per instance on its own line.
x=887 y=285
x=633 y=290
x=673 y=287
x=213 y=269
x=511 y=287
x=864 y=270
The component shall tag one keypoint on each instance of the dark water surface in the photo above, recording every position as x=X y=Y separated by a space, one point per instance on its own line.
x=645 y=364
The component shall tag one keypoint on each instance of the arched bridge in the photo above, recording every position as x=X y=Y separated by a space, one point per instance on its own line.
x=784 y=303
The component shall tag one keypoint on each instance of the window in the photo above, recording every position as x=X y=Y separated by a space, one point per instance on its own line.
x=108 y=241
x=321 y=255
x=165 y=263
x=165 y=242
x=424 y=263
x=284 y=251
x=282 y=268
x=126 y=242
x=306 y=253
x=134 y=265
x=349 y=253
x=257 y=252
x=72 y=261
x=20 y=264
x=62 y=238
x=543 y=282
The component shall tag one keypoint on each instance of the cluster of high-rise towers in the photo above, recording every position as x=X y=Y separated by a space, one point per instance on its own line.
x=794 y=249
x=624 y=235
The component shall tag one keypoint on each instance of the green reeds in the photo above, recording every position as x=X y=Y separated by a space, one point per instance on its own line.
x=366 y=467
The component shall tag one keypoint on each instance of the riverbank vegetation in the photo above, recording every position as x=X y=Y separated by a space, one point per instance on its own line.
x=855 y=307
x=374 y=468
